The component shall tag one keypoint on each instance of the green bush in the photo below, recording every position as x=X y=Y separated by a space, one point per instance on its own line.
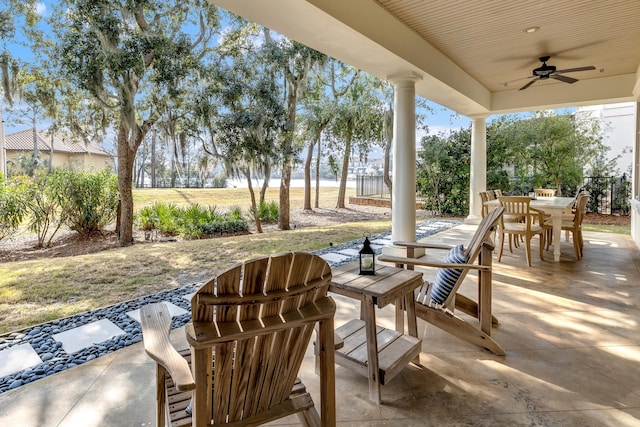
x=268 y=212
x=219 y=182
x=12 y=207
x=227 y=226
x=42 y=205
x=89 y=200
x=193 y=222
x=235 y=213
x=146 y=219
x=167 y=215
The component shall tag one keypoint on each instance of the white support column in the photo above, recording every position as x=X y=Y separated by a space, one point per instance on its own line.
x=403 y=197
x=478 y=175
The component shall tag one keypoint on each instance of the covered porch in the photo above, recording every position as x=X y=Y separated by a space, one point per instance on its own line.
x=569 y=329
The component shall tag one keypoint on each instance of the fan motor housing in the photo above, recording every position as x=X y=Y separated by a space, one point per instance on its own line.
x=544 y=71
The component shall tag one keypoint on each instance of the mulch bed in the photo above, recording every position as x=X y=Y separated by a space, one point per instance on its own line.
x=601 y=219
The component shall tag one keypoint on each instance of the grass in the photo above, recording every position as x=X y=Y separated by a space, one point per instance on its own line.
x=225 y=198
x=606 y=228
x=38 y=291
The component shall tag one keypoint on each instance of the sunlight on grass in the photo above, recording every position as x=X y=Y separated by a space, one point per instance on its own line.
x=615 y=229
x=32 y=292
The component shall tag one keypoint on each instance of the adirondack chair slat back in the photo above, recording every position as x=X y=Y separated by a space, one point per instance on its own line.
x=251 y=374
x=486 y=227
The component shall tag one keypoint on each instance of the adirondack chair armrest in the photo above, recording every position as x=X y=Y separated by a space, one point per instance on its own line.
x=420 y=263
x=421 y=245
x=156 y=327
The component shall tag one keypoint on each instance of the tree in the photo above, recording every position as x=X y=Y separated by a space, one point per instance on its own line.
x=546 y=148
x=359 y=121
x=8 y=72
x=294 y=61
x=444 y=171
x=131 y=57
x=330 y=82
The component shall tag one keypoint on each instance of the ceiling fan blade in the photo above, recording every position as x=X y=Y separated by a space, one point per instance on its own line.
x=563 y=78
x=572 y=70
x=528 y=84
x=517 y=80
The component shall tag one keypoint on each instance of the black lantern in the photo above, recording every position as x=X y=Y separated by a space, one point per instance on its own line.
x=367 y=258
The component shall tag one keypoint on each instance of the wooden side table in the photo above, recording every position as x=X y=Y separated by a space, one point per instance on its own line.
x=373 y=351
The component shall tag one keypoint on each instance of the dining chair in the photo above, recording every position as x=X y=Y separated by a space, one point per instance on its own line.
x=484 y=197
x=532 y=224
x=544 y=192
x=498 y=193
x=573 y=225
x=250 y=330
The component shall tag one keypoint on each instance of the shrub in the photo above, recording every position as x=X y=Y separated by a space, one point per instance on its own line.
x=268 y=212
x=146 y=219
x=89 y=200
x=227 y=226
x=193 y=222
x=42 y=204
x=167 y=215
x=235 y=213
x=12 y=207
x=219 y=182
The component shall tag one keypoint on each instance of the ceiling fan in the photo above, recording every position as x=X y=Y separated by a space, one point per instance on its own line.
x=545 y=72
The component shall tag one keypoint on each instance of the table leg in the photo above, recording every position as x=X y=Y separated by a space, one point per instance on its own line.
x=369 y=312
x=557 y=231
x=412 y=322
x=400 y=308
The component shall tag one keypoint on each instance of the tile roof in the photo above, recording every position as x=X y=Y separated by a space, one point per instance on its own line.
x=23 y=141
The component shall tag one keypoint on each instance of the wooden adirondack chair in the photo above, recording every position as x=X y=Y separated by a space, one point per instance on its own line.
x=251 y=326
x=437 y=307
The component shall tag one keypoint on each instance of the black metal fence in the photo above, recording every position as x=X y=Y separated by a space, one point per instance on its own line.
x=608 y=194
x=371 y=185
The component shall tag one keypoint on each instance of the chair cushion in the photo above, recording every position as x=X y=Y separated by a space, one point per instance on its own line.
x=446 y=278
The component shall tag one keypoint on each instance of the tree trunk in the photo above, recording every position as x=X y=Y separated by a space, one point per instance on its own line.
x=285 y=182
x=265 y=181
x=254 y=206
x=153 y=159
x=126 y=157
x=388 y=135
x=317 y=204
x=307 y=178
x=345 y=171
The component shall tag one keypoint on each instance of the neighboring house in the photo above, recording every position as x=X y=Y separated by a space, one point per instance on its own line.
x=618 y=127
x=66 y=153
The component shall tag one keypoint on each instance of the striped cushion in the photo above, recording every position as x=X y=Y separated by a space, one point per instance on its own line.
x=446 y=278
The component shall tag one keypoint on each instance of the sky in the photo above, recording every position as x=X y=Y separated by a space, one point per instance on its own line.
x=439 y=119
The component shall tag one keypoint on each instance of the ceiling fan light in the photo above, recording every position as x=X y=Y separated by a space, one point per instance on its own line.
x=531 y=29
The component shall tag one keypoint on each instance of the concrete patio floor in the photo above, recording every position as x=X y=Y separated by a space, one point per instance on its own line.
x=570 y=330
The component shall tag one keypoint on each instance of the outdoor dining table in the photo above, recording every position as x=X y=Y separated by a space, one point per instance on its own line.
x=554 y=206
x=378 y=353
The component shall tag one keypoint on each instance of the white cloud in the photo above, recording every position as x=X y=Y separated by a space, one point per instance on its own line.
x=41 y=9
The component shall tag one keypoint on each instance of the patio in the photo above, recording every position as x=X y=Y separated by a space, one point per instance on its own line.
x=570 y=331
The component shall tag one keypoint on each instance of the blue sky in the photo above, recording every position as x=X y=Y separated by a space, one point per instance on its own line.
x=440 y=119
